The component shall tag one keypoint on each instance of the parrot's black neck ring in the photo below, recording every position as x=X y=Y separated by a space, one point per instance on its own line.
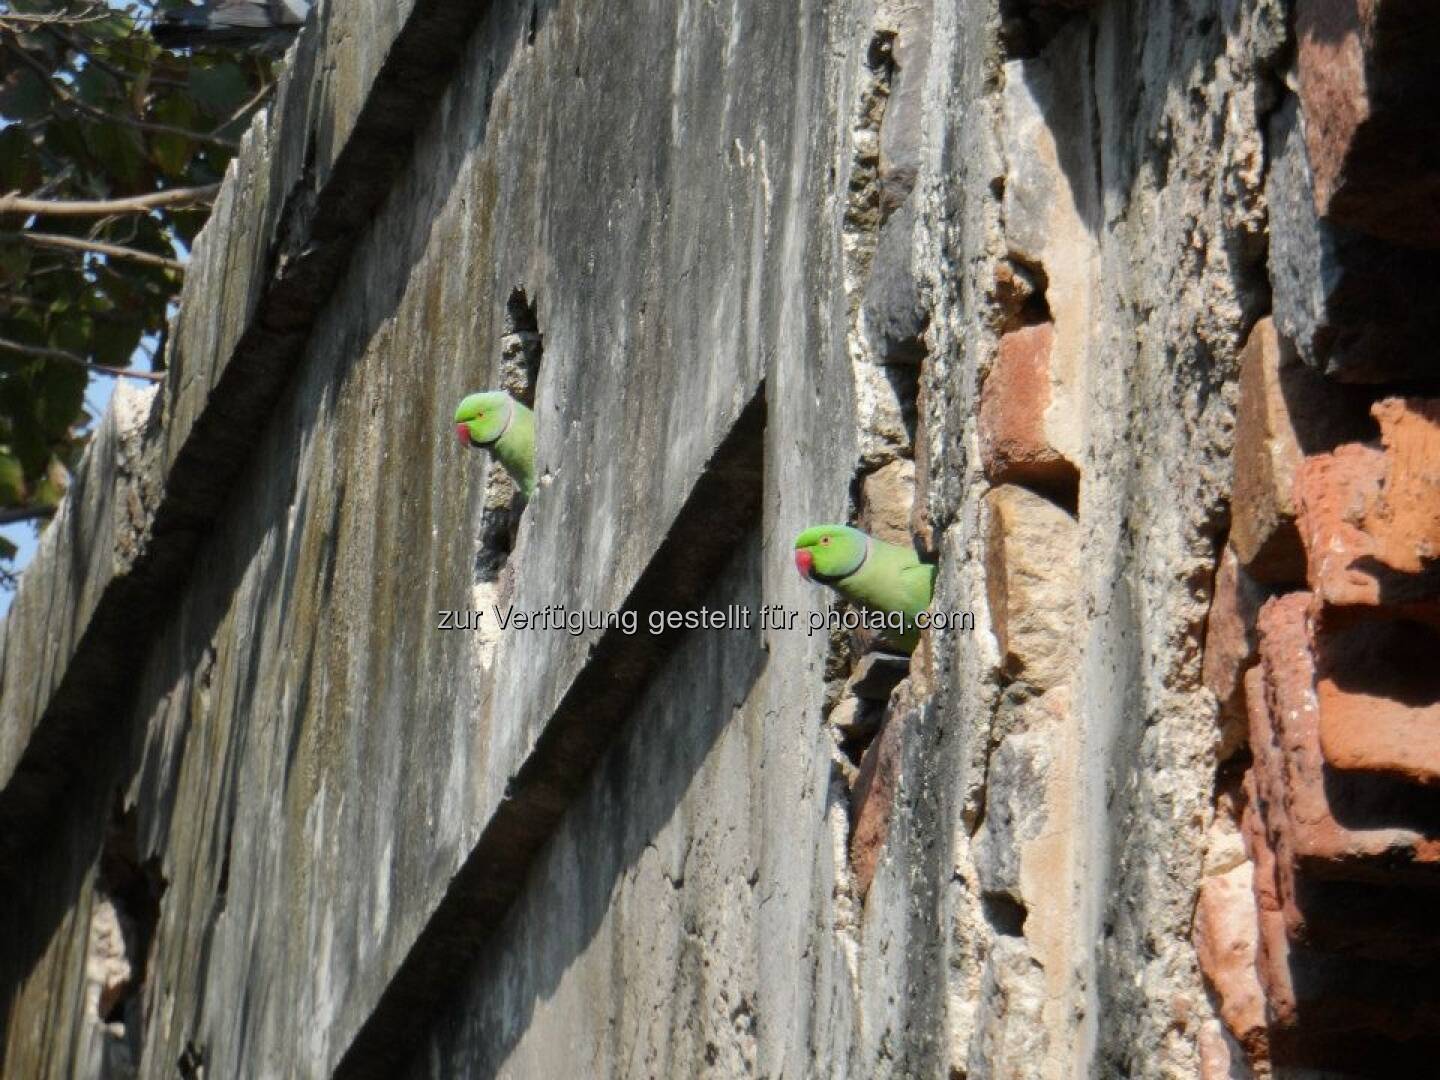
x=831 y=579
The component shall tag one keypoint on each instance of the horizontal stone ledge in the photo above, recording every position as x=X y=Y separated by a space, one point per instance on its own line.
x=724 y=503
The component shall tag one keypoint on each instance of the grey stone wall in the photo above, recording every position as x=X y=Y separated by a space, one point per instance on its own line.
x=768 y=246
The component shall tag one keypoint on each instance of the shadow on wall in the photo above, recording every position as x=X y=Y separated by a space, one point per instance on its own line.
x=631 y=798
x=58 y=844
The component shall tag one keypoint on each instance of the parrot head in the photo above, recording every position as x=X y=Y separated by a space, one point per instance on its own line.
x=830 y=551
x=482 y=418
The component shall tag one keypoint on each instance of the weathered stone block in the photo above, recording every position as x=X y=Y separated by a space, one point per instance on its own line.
x=886 y=498
x=1357 y=308
x=1045 y=207
x=1370 y=95
x=1017 y=297
x=1220 y=1057
x=1332 y=492
x=1030 y=570
x=855 y=718
x=1230 y=646
x=1016 y=811
x=876 y=675
x=1285 y=412
x=1328 y=824
x=895 y=312
x=1347 y=521
x=872 y=802
x=1017 y=444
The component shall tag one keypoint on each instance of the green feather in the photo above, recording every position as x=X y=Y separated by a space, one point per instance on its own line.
x=497 y=422
x=874 y=573
x=516 y=449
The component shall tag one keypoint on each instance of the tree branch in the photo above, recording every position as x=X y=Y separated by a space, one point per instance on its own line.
x=115 y=251
x=17 y=204
x=13 y=515
x=46 y=353
x=57 y=18
x=255 y=99
x=62 y=94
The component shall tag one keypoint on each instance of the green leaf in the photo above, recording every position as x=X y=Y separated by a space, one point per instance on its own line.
x=61 y=397
x=171 y=153
x=120 y=151
x=69 y=330
x=51 y=486
x=19 y=163
x=14 y=260
x=7 y=549
x=113 y=342
x=12 y=479
x=220 y=89
x=96 y=88
x=25 y=96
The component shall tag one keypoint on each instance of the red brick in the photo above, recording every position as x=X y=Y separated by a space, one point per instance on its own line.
x=1346 y=523
x=872 y=800
x=1365 y=919
x=1328 y=824
x=1368 y=86
x=1331 y=1011
x=1226 y=940
x=1405 y=518
x=1379 y=696
x=1230 y=646
x=1285 y=411
x=1015 y=441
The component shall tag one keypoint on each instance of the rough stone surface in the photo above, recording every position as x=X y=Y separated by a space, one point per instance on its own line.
x=1341 y=1013
x=1230 y=647
x=1031 y=569
x=886 y=498
x=1356 y=307
x=397 y=850
x=1045 y=229
x=876 y=674
x=872 y=803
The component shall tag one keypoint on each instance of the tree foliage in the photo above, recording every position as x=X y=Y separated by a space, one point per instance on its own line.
x=110 y=149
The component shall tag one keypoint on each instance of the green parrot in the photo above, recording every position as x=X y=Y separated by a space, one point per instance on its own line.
x=498 y=423
x=873 y=573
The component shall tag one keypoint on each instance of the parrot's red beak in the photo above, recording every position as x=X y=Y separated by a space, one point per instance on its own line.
x=462 y=432
x=804 y=562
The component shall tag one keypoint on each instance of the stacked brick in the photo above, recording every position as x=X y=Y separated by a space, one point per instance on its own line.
x=1354 y=220
x=1323 y=643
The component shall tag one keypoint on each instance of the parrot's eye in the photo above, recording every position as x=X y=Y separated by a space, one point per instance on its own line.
x=824 y=540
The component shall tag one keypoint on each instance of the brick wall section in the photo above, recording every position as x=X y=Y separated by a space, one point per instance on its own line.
x=1325 y=621
x=1369 y=89
x=1342 y=824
